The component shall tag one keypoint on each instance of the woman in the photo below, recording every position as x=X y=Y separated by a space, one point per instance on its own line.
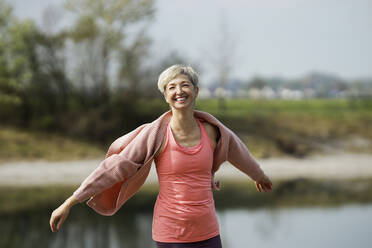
x=188 y=147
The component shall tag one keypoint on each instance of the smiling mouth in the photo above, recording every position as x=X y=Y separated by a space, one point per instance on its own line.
x=180 y=99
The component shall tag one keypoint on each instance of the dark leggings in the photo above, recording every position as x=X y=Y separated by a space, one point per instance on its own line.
x=214 y=242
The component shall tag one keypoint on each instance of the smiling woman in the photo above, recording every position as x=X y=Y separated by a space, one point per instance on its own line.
x=188 y=147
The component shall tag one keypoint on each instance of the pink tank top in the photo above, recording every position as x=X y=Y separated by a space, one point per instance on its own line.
x=184 y=210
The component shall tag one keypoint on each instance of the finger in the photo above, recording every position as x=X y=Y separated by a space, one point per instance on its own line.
x=214 y=186
x=270 y=183
x=263 y=186
x=218 y=185
x=60 y=222
x=258 y=187
x=270 y=186
x=51 y=223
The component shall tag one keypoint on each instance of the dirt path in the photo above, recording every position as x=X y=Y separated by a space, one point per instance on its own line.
x=342 y=165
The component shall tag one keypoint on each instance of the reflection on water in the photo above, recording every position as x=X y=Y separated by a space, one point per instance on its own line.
x=82 y=229
x=346 y=226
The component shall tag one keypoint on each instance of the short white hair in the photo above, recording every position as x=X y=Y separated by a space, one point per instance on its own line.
x=175 y=70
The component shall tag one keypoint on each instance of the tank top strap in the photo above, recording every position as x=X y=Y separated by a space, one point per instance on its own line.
x=204 y=135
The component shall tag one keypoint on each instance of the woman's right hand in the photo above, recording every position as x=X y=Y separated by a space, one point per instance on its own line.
x=264 y=183
x=60 y=214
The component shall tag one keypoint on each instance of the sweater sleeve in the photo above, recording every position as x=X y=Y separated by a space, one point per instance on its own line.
x=113 y=169
x=124 y=157
x=120 y=143
x=240 y=157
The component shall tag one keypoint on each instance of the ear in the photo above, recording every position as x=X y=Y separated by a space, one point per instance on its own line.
x=196 y=91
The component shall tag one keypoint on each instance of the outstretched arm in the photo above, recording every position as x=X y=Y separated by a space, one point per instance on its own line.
x=241 y=158
x=60 y=214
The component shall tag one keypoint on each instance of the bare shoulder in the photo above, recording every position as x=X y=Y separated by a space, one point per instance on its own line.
x=212 y=132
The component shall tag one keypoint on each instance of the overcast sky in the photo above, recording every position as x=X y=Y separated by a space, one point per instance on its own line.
x=288 y=38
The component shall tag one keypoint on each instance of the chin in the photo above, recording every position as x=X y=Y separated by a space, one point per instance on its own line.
x=183 y=106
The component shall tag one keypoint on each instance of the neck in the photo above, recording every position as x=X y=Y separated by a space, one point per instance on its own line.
x=183 y=121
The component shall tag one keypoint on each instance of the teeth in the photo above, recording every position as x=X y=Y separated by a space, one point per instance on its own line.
x=181 y=99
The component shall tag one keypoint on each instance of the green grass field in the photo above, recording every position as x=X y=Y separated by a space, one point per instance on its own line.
x=298 y=128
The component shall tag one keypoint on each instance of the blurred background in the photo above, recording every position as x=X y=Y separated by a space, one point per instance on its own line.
x=292 y=78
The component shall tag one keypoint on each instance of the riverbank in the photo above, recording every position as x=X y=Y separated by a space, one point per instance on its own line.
x=336 y=165
x=318 y=180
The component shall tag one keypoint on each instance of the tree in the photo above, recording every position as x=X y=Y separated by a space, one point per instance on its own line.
x=52 y=58
x=101 y=34
x=26 y=71
x=9 y=89
x=257 y=83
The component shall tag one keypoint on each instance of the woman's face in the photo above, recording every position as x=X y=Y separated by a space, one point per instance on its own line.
x=180 y=92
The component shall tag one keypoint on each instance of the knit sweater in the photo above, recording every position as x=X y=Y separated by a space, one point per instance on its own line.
x=129 y=158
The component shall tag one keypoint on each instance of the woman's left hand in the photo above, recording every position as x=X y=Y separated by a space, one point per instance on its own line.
x=215 y=185
x=264 y=183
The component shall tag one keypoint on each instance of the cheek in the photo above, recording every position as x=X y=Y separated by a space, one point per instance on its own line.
x=167 y=98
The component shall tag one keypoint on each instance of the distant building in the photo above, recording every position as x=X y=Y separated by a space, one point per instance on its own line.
x=240 y=93
x=254 y=93
x=205 y=93
x=285 y=93
x=313 y=85
x=221 y=92
x=309 y=93
x=268 y=93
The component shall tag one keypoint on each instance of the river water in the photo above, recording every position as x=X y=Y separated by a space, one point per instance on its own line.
x=342 y=226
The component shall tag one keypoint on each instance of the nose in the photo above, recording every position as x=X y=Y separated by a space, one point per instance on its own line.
x=179 y=89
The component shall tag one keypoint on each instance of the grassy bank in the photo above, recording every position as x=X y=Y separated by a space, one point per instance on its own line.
x=17 y=144
x=297 y=192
